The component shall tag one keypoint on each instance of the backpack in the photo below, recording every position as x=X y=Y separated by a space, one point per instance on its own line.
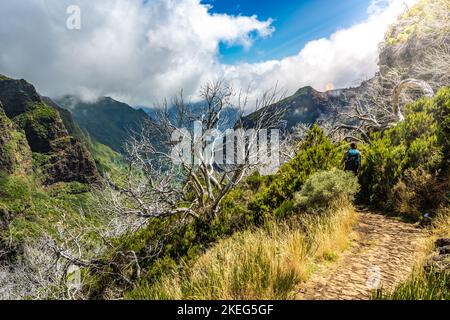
x=352 y=163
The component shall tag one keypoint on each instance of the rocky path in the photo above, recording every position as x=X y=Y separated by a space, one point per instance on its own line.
x=382 y=253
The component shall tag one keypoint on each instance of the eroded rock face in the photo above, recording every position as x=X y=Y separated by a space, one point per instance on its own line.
x=71 y=161
x=42 y=126
x=68 y=160
x=17 y=96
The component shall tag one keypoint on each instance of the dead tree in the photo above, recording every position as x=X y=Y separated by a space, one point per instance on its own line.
x=408 y=84
x=196 y=162
x=435 y=65
x=377 y=105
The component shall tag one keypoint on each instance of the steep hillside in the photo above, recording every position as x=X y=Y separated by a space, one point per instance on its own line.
x=72 y=128
x=59 y=156
x=106 y=159
x=108 y=121
x=15 y=154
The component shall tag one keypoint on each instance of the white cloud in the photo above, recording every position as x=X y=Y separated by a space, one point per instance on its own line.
x=142 y=51
x=346 y=58
x=130 y=49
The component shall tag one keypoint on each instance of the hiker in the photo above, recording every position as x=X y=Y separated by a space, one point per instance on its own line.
x=353 y=159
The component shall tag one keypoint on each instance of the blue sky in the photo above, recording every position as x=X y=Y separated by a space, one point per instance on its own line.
x=296 y=22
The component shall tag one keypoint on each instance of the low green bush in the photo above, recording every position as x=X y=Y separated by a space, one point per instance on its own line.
x=441 y=108
x=324 y=188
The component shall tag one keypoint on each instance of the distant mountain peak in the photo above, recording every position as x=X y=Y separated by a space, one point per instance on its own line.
x=308 y=90
x=3 y=77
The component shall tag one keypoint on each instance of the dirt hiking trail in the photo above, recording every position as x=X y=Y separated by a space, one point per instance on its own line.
x=382 y=252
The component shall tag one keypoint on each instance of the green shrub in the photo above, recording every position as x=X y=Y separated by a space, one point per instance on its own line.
x=441 y=109
x=382 y=166
x=235 y=213
x=325 y=188
x=417 y=191
x=286 y=209
x=315 y=154
x=417 y=142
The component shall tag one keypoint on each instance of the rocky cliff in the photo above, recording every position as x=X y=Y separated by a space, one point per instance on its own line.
x=62 y=158
x=418 y=44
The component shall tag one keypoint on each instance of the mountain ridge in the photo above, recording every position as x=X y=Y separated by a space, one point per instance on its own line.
x=306 y=106
x=106 y=120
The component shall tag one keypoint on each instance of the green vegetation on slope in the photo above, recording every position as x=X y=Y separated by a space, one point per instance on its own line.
x=107 y=121
x=268 y=262
x=15 y=154
x=107 y=160
x=28 y=210
x=403 y=165
x=41 y=126
x=407 y=171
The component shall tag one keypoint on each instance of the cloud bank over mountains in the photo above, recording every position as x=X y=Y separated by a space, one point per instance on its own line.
x=142 y=51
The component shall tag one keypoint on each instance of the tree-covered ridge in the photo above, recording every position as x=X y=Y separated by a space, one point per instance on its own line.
x=107 y=121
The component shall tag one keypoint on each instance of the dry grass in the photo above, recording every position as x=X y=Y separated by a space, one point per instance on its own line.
x=268 y=263
x=442 y=224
